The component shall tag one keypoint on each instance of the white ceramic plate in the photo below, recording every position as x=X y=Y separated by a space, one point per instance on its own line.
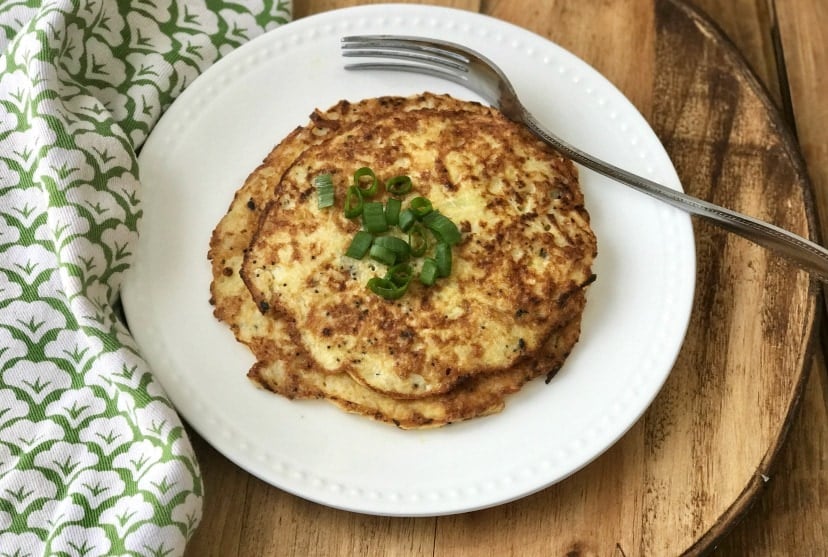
x=226 y=122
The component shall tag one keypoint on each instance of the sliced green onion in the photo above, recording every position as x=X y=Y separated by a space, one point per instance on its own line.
x=442 y=256
x=421 y=206
x=428 y=272
x=373 y=217
x=382 y=254
x=387 y=289
x=400 y=247
x=365 y=176
x=417 y=239
x=360 y=244
x=392 y=211
x=392 y=250
x=398 y=185
x=353 y=202
x=400 y=274
x=406 y=220
x=443 y=227
x=324 y=190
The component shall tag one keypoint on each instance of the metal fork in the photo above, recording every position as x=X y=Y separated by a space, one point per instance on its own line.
x=471 y=69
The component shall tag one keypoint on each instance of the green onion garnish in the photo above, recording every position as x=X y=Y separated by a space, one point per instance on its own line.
x=417 y=239
x=392 y=211
x=373 y=217
x=428 y=273
x=442 y=256
x=400 y=247
x=443 y=227
x=406 y=220
x=400 y=274
x=420 y=206
x=391 y=250
x=324 y=190
x=353 y=202
x=382 y=254
x=398 y=185
x=360 y=244
x=387 y=289
x=366 y=181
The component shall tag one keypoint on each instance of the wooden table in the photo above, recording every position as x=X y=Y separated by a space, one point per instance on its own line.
x=732 y=458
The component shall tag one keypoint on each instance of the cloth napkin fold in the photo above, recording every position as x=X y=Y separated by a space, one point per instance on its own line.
x=94 y=460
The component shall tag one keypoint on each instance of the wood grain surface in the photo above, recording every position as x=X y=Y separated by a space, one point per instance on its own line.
x=731 y=457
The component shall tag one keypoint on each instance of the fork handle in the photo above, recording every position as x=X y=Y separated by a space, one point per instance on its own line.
x=807 y=254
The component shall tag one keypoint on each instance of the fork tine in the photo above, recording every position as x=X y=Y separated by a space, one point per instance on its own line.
x=401 y=54
x=419 y=44
x=404 y=48
x=410 y=68
x=438 y=58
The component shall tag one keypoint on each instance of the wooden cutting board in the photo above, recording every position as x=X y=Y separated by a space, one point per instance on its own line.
x=696 y=460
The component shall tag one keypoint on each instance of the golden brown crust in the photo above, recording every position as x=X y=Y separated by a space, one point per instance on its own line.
x=477 y=397
x=286 y=365
x=522 y=247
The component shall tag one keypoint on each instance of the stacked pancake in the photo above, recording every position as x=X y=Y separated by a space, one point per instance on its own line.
x=509 y=312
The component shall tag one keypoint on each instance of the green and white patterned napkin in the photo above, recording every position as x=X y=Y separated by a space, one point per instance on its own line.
x=94 y=460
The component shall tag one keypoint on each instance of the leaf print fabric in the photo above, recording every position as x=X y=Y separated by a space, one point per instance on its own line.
x=94 y=460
